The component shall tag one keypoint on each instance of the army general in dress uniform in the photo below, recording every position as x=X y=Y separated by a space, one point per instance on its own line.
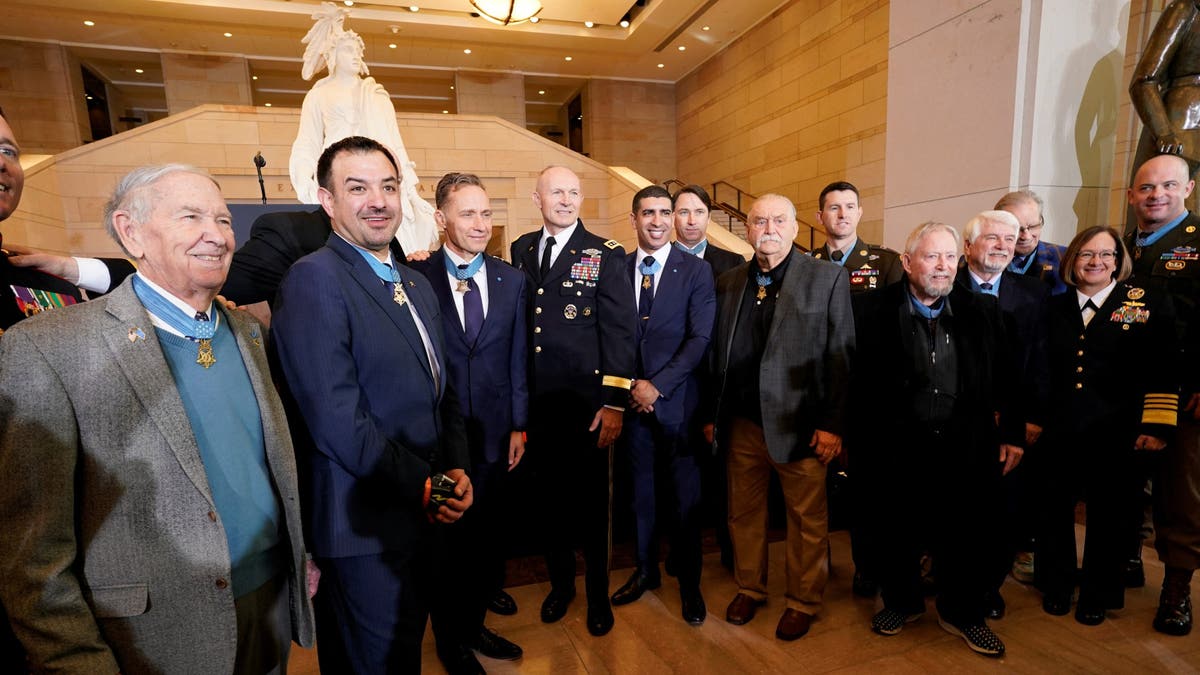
x=581 y=364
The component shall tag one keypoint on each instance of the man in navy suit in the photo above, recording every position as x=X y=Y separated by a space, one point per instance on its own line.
x=358 y=337
x=1033 y=256
x=989 y=240
x=676 y=309
x=483 y=317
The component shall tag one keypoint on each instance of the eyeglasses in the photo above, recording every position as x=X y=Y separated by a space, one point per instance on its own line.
x=1030 y=228
x=1105 y=256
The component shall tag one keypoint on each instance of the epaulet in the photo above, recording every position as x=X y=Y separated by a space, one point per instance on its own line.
x=612 y=244
x=880 y=247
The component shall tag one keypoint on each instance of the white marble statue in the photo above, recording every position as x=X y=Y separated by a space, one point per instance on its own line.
x=347 y=103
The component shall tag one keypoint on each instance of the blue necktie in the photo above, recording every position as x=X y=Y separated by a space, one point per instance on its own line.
x=472 y=309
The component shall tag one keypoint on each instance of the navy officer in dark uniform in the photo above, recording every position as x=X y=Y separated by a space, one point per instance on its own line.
x=581 y=364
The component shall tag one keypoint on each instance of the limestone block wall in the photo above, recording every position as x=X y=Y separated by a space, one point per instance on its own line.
x=35 y=92
x=196 y=79
x=62 y=206
x=795 y=103
x=489 y=93
x=631 y=124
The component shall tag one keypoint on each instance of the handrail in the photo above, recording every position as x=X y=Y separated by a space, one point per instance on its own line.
x=737 y=211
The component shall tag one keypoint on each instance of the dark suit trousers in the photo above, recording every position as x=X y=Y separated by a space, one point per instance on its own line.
x=470 y=557
x=928 y=494
x=649 y=445
x=576 y=478
x=1105 y=471
x=371 y=612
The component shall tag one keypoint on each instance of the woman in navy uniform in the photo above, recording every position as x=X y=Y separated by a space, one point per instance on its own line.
x=1114 y=399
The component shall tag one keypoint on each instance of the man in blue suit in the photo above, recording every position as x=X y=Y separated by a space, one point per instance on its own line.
x=676 y=302
x=358 y=337
x=482 y=301
x=1032 y=256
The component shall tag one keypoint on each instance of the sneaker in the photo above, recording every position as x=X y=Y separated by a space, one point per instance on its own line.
x=891 y=622
x=979 y=638
x=1022 y=567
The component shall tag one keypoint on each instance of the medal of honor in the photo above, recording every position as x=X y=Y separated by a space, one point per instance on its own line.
x=762 y=292
x=645 y=281
x=462 y=286
x=204 y=353
x=398 y=296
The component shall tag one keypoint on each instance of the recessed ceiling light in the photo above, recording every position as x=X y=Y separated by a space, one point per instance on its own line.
x=445 y=112
x=229 y=35
x=254 y=77
x=89 y=97
x=267 y=104
x=534 y=19
x=542 y=92
x=391 y=45
x=589 y=24
x=89 y=22
x=704 y=28
x=662 y=65
x=348 y=3
x=451 y=87
x=566 y=58
x=466 y=51
x=624 y=23
x=682 y=48
x=413 y=8
x=139 y=71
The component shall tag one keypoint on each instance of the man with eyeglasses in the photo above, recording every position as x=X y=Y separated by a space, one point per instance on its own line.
x=1033 y=257
x=1165 y=248
x=989 y=240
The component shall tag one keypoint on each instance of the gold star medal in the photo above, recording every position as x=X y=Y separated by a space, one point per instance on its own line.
x=398 y=295
x=463 y=287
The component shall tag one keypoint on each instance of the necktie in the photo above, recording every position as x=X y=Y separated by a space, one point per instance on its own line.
x=985 y=286
x=1089 y=310
x=1018 y=262
x=472 y=309
x=545 y=268
x=837 y=256
x=646 y=295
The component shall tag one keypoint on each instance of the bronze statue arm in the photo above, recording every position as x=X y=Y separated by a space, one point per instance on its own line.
x=1152 y=72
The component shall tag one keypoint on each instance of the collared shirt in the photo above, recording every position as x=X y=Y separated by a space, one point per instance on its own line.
x=845 y=252
x=480 y=279
x=1144 y=238
x=560 y=241
x=187 y=309
x=93 y=275
x=702 y=245
x=661 y=256
x=1098 y=300
x=977 y=283
x=750 y=341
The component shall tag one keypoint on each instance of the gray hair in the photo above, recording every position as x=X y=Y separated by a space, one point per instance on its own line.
x=1002 y=217
x=926 y=228
x=774 y=195
x=134 y=194
x=1020 y=197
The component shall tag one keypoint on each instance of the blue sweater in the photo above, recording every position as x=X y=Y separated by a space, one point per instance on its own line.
x=225 y=419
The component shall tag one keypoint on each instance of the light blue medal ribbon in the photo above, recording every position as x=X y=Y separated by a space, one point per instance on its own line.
x=200 y=328
x=648 y=272
x=763 y=280
x=464 y=273
x=700 y=248
x=387 y=273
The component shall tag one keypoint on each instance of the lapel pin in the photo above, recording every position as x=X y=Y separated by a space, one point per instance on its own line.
x=136 y=334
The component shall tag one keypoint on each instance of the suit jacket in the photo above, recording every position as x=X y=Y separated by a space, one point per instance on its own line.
x=1023 y=299
x=720 y=259
x=1047 y=260
x=371 y=423
x=489 y=374
x=582 y=319
x=113 y=556
x=804 y=376
x=674 y=340
x=276 y=241
x=882 y=417
x=869 y=266
x=24 y=277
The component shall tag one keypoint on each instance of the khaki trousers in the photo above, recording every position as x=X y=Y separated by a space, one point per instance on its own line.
x=803 y=484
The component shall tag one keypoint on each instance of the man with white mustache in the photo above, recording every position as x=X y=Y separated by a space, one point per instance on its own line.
x=934 y=430
x=990 y=239
x=784 y=340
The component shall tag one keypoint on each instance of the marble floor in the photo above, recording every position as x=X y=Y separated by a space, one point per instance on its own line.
x=651 y=637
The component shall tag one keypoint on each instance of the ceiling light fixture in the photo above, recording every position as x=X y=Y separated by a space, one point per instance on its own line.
x=413 y=8
x=566 y=58
x=682 y=48
x=505 y=12
x=704 y=28
x=267 y=104
x=542 y=92
x=466 y=51
x=534 y=19
x=348 y=3
x=391 y=45
x=624 y=23
x=445 y=112
x=228 y=34
x=89 y=23
x=590 y=24
x=662 y=65
x=254 y=77
x=139 y=71
x=451 y=87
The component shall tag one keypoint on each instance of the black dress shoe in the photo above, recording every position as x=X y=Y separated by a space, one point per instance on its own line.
x=694 y=611
x=864 y=586
x=1133 y=574
x=1174 y=615
x=1089 y=615
x=460 y=661
x=993 y=605
x=633 y=589
x=502 y=603
x=1057 y=604
x=554 y=607
x=599 y=618
x=493 y=646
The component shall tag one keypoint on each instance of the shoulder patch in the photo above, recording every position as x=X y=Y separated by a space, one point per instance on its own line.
x=612 y=244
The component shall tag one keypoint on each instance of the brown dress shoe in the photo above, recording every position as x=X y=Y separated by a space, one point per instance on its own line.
x=793 y=624
x=742 y=609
